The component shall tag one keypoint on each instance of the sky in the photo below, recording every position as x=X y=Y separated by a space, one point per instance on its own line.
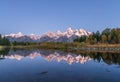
x=40 y=16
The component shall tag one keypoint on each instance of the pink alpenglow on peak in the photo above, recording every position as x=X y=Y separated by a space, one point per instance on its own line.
x=68 y=36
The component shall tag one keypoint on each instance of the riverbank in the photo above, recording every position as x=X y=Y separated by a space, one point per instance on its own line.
x=69 y=47
x=2 y=47
x=96 y=47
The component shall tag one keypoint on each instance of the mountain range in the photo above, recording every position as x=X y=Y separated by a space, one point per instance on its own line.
x=68 y=36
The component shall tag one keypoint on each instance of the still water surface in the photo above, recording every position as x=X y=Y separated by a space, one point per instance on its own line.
x=57 y=66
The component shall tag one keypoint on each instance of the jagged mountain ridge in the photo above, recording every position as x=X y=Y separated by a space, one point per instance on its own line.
x=68 y=36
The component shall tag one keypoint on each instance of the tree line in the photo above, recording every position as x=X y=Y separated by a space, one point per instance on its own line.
x=107 y=36
x=4 y=41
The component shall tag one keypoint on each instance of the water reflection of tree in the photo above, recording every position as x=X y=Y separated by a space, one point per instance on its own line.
x=4 y=51
x=111 y=58
x=108 y=58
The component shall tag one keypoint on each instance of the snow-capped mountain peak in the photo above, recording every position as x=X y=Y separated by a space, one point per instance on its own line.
x=48 y=34
x=19 y=34
x=33 y=36
x=68 y=36
x=69 y=30
x=59 y=33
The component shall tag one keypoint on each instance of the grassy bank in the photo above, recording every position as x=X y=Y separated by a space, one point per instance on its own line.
x=69 y=46
x=95 y=47
x=3 y=47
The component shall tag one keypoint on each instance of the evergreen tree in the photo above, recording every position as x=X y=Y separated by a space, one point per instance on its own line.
x=107 y=36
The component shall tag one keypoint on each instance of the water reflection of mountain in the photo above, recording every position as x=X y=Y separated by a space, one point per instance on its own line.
x=108 y=58
x=47 y=55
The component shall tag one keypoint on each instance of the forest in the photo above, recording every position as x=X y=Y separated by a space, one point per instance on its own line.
x=4 y=41
x=107 y=36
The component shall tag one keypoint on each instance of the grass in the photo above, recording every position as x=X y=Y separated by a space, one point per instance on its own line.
x=105 y=45
x=2 y=47
x=65 y=46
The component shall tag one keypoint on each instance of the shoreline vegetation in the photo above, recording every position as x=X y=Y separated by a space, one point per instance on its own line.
x=69 y=47
x=107 y=40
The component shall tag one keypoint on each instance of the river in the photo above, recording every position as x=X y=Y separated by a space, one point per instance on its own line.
x=57 y=66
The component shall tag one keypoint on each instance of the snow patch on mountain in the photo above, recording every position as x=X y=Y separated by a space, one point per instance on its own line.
x=19 y=34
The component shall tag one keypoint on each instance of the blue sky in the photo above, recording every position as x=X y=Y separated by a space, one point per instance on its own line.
x=39 y=16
